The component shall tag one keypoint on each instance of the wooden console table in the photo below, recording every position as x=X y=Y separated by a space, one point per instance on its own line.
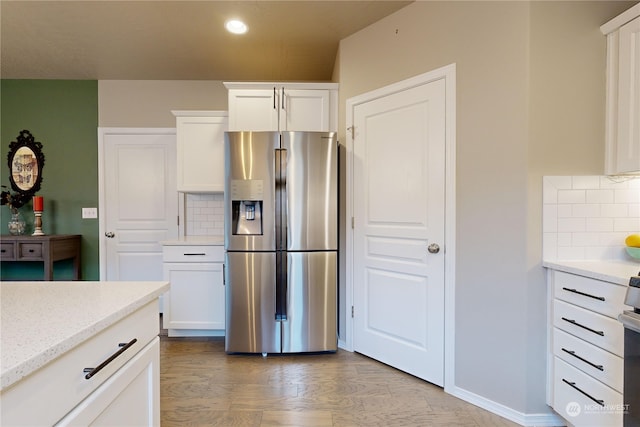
x=47 y=249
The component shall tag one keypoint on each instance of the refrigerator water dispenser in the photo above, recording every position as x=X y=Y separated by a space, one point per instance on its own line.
x=247 y=217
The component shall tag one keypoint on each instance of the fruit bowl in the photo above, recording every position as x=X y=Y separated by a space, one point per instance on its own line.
x=633 y=252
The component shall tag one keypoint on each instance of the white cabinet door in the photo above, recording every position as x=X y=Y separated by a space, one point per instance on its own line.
x=283 y=106
x=200 y=150
x=130 y=397
x=253 y=109
x=304 y=110
x=196 y=299
x=628 y=147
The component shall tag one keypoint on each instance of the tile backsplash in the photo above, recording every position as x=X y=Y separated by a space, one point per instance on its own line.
x=204 y=214
x=588 y=217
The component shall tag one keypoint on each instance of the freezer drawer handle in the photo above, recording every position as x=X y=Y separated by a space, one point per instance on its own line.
x=573 y=385
x=573 y=322
x=575 y=291
x=92 y=371
x=195 y=254
x=573 y=353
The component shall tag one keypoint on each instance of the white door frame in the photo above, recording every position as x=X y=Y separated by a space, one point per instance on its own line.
x=102 y=131
x=448 y=73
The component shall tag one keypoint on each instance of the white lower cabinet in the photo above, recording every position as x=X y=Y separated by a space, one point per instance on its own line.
x=124 y=389
x=195 y=303
x=586 y=365
x=130 y=397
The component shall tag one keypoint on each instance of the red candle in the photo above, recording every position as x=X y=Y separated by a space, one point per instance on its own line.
x=38 y=203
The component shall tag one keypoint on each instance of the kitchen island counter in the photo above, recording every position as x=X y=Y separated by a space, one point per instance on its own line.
x=41 y=321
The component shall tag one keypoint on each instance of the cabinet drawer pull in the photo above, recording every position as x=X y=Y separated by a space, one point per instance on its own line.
x=274 y=99
x=195 y=254
x=124 y=346
x=575 y=291
x=573 y=385
x=573 y=353
x=573 y=322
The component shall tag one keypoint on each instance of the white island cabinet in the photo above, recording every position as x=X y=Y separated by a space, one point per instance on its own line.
x=622 y=141
x=80 y=353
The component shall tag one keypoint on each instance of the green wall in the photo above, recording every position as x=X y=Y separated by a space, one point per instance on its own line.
x=63 y=116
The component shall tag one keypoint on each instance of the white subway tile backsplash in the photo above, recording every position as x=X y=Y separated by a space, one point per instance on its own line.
x=568 y=225
x=571 y=196
x=588 y=217
x=585 y=182
x=585 y=210
x=602 y=225
x=599 y=196
x=204 y=214
x=612 y=210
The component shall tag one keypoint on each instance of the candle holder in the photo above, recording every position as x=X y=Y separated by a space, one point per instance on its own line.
x=38 y=224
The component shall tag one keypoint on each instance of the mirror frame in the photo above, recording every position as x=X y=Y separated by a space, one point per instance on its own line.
x=25 y=139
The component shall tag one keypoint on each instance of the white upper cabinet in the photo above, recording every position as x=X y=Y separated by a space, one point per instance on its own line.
x=283 y=106
x=200 y=150
x=622 y=154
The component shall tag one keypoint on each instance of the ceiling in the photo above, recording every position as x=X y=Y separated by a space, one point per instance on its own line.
x=178 y=40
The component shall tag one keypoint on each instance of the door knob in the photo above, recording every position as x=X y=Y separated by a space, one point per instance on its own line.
x=110 y=234
x=433 y=248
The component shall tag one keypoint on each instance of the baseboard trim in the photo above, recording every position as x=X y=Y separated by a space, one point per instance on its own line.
x=539 y=420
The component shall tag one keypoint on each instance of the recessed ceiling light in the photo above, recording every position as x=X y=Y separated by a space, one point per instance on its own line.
x=236 y=27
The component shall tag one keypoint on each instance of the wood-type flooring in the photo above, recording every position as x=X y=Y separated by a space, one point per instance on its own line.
x=200 y=385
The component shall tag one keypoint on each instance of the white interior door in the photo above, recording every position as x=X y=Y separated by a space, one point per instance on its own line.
x=138 y=201
x=399 y=228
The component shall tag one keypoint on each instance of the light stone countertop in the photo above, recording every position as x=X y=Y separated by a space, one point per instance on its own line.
x=195 y=241
x=609 y=271
x=43 y=320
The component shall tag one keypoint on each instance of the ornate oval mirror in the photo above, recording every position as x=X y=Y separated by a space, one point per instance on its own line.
x=25 y=161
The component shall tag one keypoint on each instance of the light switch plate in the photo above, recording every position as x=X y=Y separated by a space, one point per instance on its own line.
x=89 y=213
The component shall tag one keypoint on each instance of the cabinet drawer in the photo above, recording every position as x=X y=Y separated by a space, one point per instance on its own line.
x=584 y=401
x=43 y=388
x=600 y=364
x=602 y=297
x=30 y=251
x=605 y=332
x=7 y=251
x=192 y=253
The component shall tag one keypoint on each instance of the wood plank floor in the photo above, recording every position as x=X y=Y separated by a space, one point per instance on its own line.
x=200 y=385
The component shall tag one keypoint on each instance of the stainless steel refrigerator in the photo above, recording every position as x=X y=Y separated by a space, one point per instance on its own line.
x=281 y=241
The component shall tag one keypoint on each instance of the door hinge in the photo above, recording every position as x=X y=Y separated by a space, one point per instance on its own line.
x=353 y=223
x=352 y=312
x=352 y=129
x=178 y=220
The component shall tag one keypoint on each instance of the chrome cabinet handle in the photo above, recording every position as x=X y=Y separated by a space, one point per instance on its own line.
x=92 y=371
x=110 y=234
x=575 y=291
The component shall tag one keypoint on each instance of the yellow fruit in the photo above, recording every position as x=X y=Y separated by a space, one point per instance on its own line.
x=633 y=240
